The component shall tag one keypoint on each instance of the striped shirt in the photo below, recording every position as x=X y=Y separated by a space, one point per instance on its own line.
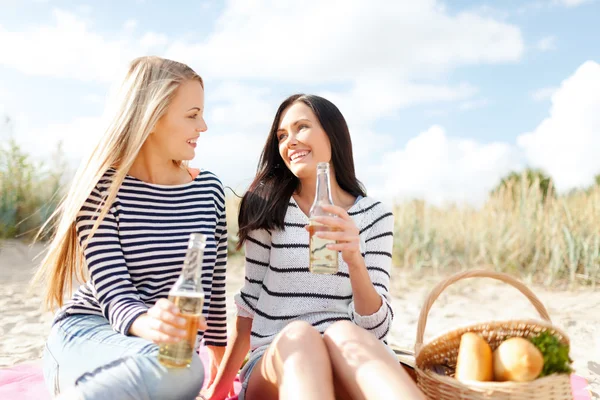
x=279 y=288
x=137 y=254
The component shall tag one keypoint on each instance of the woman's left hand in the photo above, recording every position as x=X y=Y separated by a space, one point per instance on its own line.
x=216 y=356
x=344 y=232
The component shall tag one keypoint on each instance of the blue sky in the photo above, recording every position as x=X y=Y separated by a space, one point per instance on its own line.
x=442 y=98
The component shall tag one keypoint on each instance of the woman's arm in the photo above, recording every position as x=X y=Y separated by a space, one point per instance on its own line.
x=215 y=336
x=216 y=333
x=258 y=254
x=369 y=271
x=239 y=345
x=371 y=308
x=118 y=298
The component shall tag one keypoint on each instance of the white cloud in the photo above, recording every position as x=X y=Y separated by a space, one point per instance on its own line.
x=77 y=137
x=69 y=48
x=270 y=40
x=84 y=9
x=239 y=117
x=235 y=105
x=295 y=42
x=130 y=25
x=232 y=156
x=547 y=43
x=93 y=99
x=441 y=169
x=384 y=52
x=567 y=143
x=543 y=93
x=486 y=10
x=2 y=100
x=369 y=100
x=11 y=119
x=572 y=3
x=538 y=5
x=473 y=104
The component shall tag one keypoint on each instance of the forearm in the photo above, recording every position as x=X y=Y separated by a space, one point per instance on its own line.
x=137 y=327
x=366 y=299
x=216 y=353
x=239 y=345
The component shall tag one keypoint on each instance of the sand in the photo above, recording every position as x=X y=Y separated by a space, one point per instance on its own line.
x=23 y=327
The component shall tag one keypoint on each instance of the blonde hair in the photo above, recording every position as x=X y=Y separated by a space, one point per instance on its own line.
x=140 y=101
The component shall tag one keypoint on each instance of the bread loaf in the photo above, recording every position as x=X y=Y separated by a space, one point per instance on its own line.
x=518 y=360
x=474 y=361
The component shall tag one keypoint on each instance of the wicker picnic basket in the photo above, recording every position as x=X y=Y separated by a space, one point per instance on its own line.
x=443 y=351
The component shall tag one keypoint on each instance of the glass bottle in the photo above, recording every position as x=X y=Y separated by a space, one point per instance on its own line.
x=188 y=296
x=322 y=260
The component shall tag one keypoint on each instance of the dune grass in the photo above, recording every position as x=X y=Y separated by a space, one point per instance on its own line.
x=29 y=191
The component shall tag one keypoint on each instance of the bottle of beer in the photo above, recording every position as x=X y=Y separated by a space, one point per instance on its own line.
x=322 y=260
x=188 y=296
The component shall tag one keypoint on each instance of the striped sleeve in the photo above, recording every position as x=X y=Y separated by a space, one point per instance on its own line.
x=378 y=260
x=118 y=298
x=258 y=254
x=216 y=333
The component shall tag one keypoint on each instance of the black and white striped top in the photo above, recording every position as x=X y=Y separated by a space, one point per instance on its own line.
x=137 y=253
x=279 y=288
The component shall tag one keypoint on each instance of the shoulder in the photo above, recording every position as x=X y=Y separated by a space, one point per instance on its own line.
x=105 y=181
x=293 y=214
x=210 y=179
x=370 y=208
x=372 y=216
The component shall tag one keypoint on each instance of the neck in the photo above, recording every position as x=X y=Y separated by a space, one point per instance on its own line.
x=151 y=168
x=308 y=191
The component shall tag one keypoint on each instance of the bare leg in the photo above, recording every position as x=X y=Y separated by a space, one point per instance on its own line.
x=364 y=367
x=295 y=366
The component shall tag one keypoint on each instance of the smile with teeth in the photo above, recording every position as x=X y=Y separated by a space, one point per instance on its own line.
x=298 y=155
x=192 y=141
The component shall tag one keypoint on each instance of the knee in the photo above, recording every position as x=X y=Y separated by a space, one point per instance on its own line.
x=191 y=381
x=340 y=332
x=299 y=332
x=297 y=337
x=196 y=376
x=184 y=383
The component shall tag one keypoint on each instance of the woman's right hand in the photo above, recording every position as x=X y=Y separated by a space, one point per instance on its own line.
x=217 y=392
x=162 y=324
x=237 y=348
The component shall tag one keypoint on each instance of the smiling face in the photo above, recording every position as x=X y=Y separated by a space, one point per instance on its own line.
x=176 y=133
x=302 y=141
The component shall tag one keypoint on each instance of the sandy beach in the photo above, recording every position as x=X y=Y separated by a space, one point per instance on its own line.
x=23 y=327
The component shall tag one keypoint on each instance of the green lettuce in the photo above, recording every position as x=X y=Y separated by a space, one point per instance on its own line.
x=556 y=354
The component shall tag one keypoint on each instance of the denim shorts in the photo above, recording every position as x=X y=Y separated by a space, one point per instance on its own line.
x=245 y=376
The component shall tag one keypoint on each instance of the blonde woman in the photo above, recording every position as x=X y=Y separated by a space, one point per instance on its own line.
x=123 y=229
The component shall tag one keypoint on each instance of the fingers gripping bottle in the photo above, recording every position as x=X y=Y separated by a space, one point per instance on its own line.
x=188 y=296
x=322 y=260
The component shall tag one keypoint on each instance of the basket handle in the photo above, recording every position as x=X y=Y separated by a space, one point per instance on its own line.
x=473 y=274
